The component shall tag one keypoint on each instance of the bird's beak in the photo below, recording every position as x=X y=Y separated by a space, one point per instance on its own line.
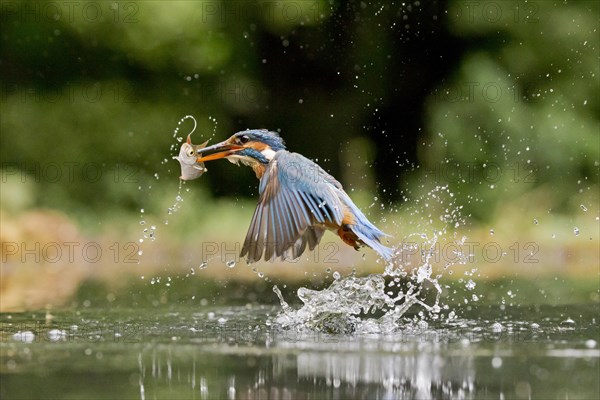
x=217 y=151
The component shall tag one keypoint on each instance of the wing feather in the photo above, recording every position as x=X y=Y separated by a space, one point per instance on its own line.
x=253 y=232
x=312 y=206
x=291 y=210
x=290 y=224
x=281 y=227
x=271 y=232
x=292 y=206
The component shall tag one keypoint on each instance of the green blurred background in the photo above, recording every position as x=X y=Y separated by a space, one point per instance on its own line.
x=498 y=100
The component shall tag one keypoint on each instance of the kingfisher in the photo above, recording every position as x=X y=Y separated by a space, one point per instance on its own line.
x=298 y=200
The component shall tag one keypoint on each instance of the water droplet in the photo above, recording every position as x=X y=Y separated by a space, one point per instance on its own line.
x=535 y=221
x=491 y=232
x=584 y=208
x=203 y=265
x=25 y=337
x=470 y=285
x=230 y=264
x=336 y=275
x=568 y=322
x=496 y=362
x=576 y=231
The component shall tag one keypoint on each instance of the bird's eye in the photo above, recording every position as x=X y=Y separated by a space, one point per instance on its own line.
x=191 y=152
x=243 y=139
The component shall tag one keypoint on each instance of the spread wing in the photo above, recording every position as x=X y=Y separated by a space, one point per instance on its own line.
x=298 y=200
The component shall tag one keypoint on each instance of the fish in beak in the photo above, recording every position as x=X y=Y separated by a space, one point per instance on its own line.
x=191 y=168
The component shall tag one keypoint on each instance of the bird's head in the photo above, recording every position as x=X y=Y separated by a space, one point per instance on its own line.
x=251 y=147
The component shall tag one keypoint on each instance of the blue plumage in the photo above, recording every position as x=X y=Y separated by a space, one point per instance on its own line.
x=298 y=200
x=301 y=206
x=270 y=138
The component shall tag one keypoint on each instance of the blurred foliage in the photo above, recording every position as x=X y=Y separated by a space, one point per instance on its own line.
x=380 y=94
x=522 y=111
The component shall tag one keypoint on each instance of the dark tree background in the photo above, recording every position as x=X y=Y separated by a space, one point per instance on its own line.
x=359 y=86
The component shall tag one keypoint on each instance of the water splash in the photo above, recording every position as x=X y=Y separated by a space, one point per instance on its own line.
x=378 y=302
x=149 y=233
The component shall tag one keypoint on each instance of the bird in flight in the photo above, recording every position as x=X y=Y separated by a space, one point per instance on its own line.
x=298 y=200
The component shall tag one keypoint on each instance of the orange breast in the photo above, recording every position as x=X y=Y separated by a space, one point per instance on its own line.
x=259 y=169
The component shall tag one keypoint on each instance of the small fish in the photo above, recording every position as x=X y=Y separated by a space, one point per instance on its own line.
x=190 y=167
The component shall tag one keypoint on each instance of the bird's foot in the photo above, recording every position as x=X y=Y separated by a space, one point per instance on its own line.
x=348 y=237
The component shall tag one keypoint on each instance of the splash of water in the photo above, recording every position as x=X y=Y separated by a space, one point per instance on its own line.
x=378 y=302
x=149 y=233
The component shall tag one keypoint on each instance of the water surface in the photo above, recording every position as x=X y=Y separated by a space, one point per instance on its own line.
x=242 y=353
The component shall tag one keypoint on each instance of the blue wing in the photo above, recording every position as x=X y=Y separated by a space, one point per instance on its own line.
x=298 y=200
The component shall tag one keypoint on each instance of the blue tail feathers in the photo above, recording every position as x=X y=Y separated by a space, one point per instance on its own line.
x=369 y=233
x=371 y=236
